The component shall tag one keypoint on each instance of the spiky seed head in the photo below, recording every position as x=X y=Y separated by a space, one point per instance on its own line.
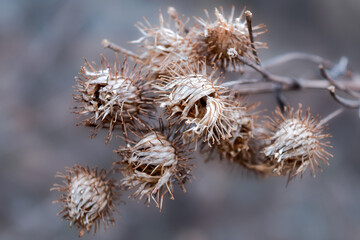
x=152 y=165
x=165 y=44
x=222 y=40
x=295 y=142
x=111 y=95
x=243 y=147
x=87 y=197
x=237 y=148
x=191 y=94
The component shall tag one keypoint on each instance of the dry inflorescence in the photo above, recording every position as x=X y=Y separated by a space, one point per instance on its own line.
x=295 y=142
x=243 y=145
x=112 y=95
x=223 y=40
x=164 y=44
x=191 y=93
x=153 y=164
x=88 y=197
x=174 y=98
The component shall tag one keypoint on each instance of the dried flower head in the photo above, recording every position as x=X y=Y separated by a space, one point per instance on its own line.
x=87 y=198
x=112 y=95
x=295 y=142
x=243 y=147
x=237 y=148
x=223 y=40
x=164 y=44
x=192 y=94
x=153 y=164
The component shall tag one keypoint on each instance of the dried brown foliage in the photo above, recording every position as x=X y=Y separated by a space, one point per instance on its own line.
x=181 y=87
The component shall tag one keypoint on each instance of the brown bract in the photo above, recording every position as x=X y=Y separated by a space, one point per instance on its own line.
x=112 y=95
x=222 y=40
x=295 y=142
x=87 y=197
x=152 y=164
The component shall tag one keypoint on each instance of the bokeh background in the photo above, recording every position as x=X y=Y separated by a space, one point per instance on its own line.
x=41 y=48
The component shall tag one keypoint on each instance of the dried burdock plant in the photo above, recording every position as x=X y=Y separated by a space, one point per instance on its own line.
x=295 y=142
x=223 y=40
x=192 y=94
x=88 y=197
x=154 y=163
x=112 y=95
x=182 y=87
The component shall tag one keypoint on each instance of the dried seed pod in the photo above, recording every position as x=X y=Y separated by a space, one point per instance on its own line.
x=295 y=142
x=153 y=164
x=243 y=147
x=112 y=96
x=162 y=45
x=87 y=198
x=192 y=94
x=223 y=40
x=238 y=148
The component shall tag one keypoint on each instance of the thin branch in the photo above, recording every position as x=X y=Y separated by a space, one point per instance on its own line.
x=279 y=83
x=280 y=98
x=116 y=48
x=331 y=116
x=248 y=15
x=327 y=76
x=240 y=81
x=269 y=87
x=355 y=104
x=266 y=74
x=285 y=58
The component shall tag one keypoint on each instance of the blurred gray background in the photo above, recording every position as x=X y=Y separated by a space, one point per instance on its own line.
x=41 y=48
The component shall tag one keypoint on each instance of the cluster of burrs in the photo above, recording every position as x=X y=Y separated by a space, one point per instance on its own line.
x=168 y=101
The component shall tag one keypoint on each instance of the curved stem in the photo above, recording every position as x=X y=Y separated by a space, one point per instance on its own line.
x=287 y=57
x=270 y=87
x=116 y=48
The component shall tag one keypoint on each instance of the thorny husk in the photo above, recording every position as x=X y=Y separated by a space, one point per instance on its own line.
x=295 y=141
x=222 y=40
x=154 y=163
x=110 y=96
x=192 y=95
x=88 y=197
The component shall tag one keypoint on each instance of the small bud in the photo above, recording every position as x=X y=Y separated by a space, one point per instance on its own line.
x=87 y=198
x=295 y=142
